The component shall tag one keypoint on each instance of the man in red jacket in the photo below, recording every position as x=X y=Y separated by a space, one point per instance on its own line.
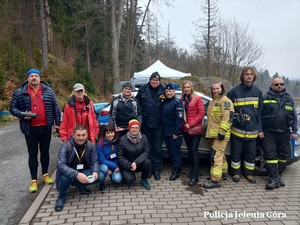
x=79 y=110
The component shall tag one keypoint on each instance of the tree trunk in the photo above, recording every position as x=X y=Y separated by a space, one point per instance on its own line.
x=45 y=64
x=116 y=23
x=27 y=32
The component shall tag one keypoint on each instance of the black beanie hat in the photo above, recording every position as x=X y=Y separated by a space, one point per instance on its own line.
x=154 y=75
x=127 y=84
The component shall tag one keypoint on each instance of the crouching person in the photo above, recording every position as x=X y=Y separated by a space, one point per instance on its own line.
x=133 y=153
x=77 y=159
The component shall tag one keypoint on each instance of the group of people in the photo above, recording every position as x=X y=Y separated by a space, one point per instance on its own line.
x=132 y=142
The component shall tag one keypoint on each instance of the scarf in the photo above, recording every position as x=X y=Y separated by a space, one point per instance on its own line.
x=187 y=99
x=134 y=139
x=110 y=142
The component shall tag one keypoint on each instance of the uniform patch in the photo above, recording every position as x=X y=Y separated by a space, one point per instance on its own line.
x=180 y=114
x=227 y=105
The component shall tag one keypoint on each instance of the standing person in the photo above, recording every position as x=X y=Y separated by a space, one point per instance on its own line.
x=79 y=110
x=279 y=118
x=107 y=155
x=220 y=115
x=172 y=117
x=246 y=98
x=151 y=97
x=36 y=97
x=133 y=153
x=77 y=162
x=193 y=114
x=124 y=108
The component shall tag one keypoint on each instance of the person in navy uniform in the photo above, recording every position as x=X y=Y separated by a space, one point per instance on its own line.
x=151 y=97
x=172 y=118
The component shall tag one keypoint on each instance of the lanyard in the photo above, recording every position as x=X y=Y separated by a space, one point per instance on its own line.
x=33 y=97
x=112 y=148
x=79 y=159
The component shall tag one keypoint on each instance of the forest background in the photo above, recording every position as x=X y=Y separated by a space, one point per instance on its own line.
x=101 y=42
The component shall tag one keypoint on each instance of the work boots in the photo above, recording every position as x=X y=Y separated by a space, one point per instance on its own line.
x=211 y=184
x=175 y=174
x=281 y=168
x=272 y=170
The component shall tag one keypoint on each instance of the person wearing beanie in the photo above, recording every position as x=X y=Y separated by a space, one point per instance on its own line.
x=151 y=97
x=133 y=153
x=172 y=118
x=36 y=97
x=124 y=108
x=79 y=110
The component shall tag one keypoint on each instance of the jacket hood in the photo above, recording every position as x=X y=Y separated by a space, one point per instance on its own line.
x=71 y=100
x=284 y=92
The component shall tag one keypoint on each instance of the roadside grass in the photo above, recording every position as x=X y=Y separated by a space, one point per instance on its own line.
x=6 y=120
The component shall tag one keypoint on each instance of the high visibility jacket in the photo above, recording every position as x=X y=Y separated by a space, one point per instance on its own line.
x=246 y=100
x=277 y=112
x=220 y=115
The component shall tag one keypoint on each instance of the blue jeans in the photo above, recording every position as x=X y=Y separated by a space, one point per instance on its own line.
x=65 y=182
x=116 y=178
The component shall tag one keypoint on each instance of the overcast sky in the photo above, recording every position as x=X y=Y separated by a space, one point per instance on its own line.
x=275 y=24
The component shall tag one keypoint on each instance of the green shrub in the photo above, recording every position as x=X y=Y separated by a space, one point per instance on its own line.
x=2 y=81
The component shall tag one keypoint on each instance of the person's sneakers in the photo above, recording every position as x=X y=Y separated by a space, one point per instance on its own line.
x=102 y=187
x=33 y=186
x=251 y=179
x=47 y=179
x=59 y=204
x=145 y=183
x=236 y=178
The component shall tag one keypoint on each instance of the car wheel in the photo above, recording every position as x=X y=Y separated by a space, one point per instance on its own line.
x=260 y=169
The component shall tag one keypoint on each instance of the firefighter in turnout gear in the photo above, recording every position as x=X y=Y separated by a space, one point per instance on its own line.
x=279 y=118
x=246 y=98
x=220 y=115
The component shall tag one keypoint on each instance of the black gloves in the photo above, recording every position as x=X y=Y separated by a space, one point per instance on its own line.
x=221 y=137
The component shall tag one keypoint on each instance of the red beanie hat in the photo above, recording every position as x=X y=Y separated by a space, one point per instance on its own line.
x=133 y=122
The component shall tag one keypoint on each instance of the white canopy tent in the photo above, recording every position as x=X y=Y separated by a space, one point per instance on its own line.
x=142 y=77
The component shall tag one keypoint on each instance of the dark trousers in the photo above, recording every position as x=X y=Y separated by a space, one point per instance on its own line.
x=129 y=177
x=192 y=143
x=276 y=145
x=155 y=138
x=39 y=137
x=242 y=149
x=173 y=146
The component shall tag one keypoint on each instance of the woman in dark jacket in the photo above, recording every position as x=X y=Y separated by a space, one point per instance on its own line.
x=133 y=153
x=107 y=155
x=193 y=114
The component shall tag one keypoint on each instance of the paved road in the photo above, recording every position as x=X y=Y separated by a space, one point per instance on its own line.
x=15 y=176
x=176 y=203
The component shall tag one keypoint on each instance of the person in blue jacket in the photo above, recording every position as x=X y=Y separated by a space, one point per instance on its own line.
x=172 y=118
x=151 y=97
x=107 y=154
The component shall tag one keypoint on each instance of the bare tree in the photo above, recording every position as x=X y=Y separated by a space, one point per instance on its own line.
x=238 y=48
x=45 y=64
x=116 y=23
x=27 y=32
x=207 y=28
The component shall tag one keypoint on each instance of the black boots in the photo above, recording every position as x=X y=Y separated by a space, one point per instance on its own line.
x=175 y=174
x=272 y=170
x=156 y=174
x=281 y=168
x=211 y=184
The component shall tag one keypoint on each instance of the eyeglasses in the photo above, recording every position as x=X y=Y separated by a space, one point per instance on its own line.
x=281 y=84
